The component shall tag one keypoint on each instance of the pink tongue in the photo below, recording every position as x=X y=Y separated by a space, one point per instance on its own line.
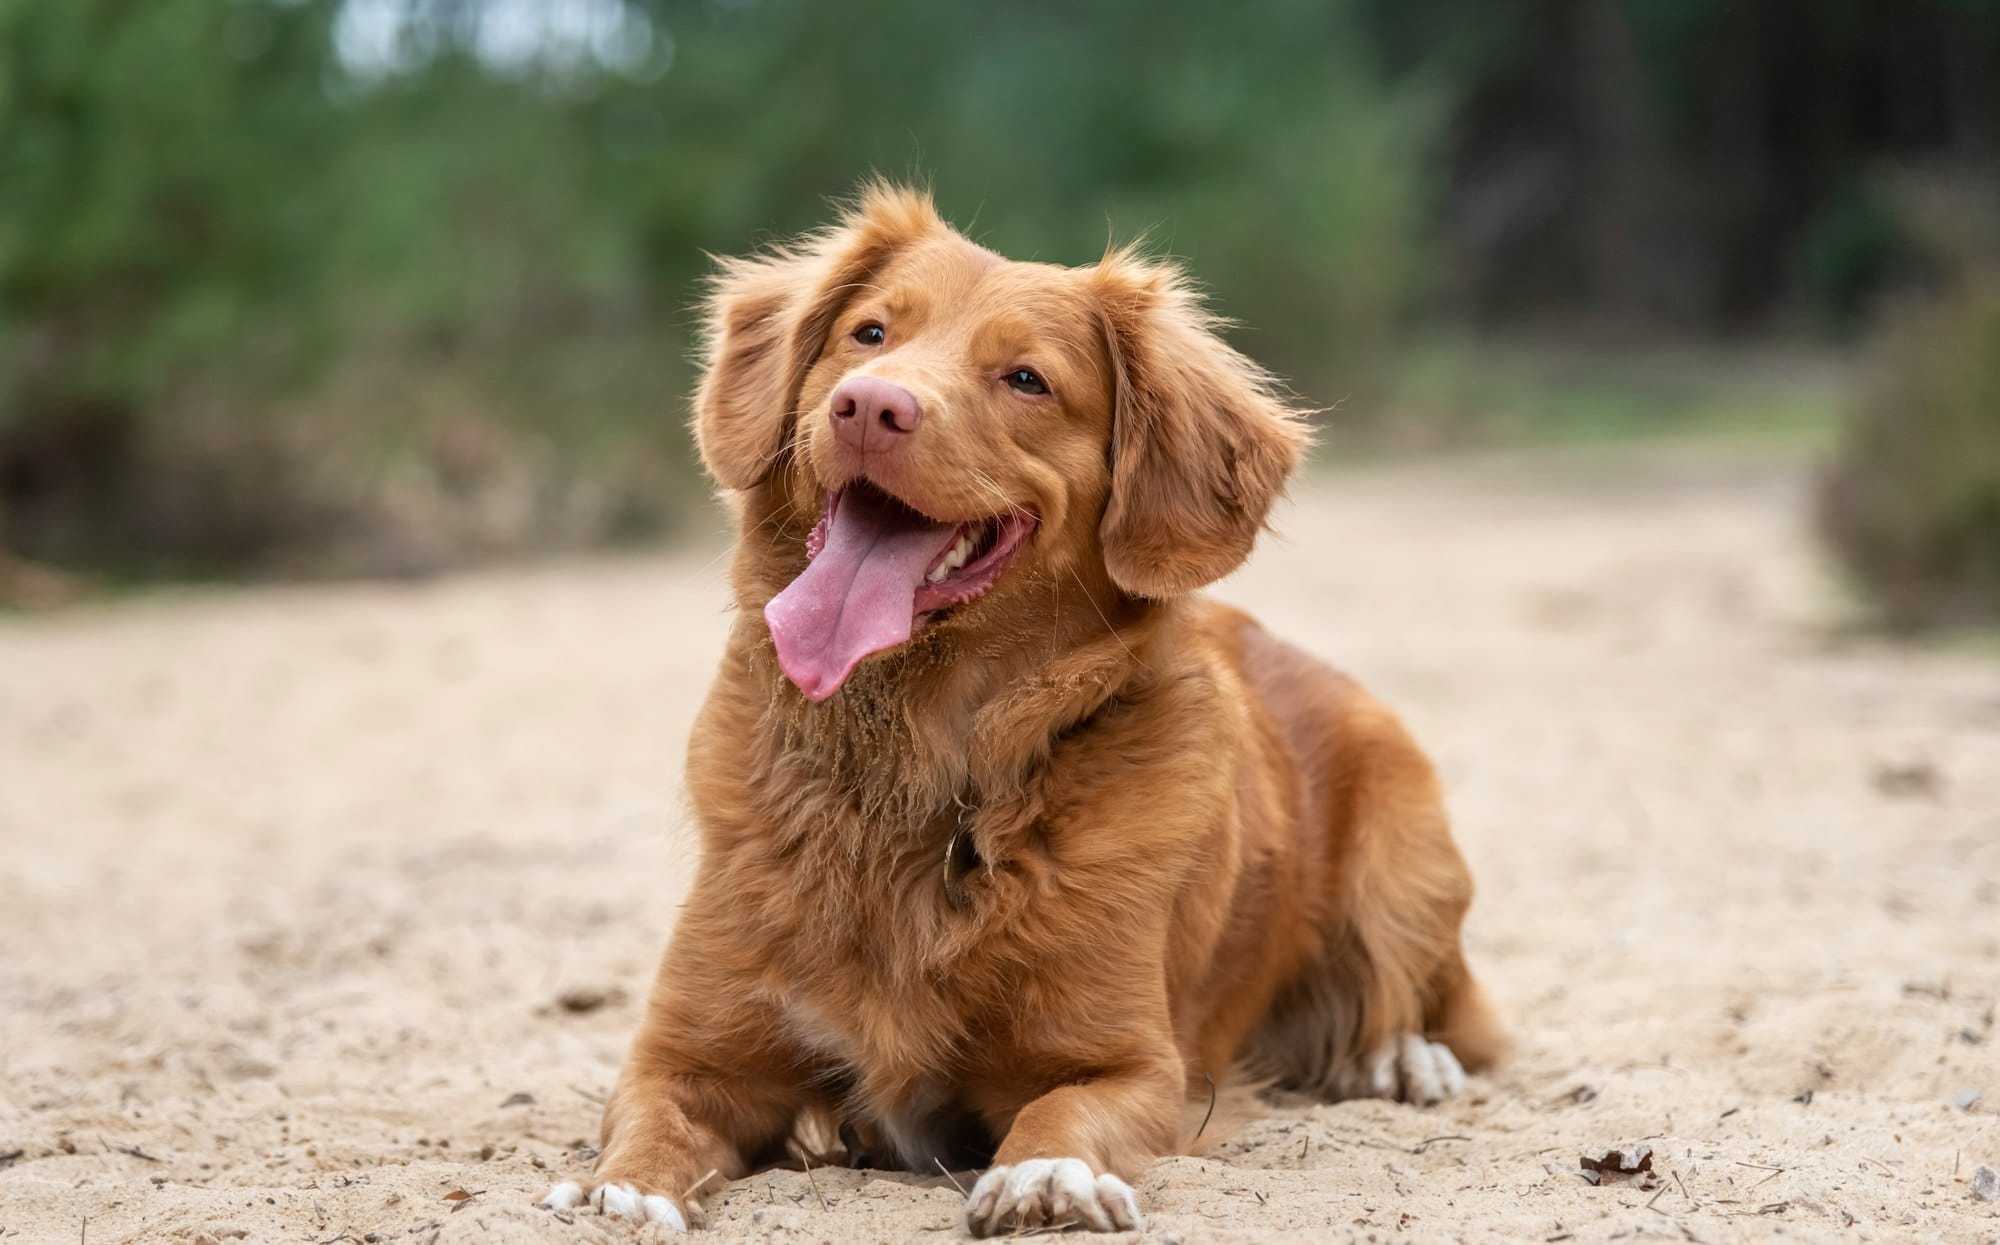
x=858 y=596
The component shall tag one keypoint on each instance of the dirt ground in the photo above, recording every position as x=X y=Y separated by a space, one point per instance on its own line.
x=321 y=905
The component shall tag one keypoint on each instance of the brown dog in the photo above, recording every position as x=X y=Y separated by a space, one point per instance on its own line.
x=1011 y=841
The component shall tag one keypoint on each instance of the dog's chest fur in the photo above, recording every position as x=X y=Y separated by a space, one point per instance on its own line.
x=907 y=927
x=890 y=913
x=889 y=981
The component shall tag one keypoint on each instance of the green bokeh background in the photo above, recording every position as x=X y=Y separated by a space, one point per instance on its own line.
x=388 y=285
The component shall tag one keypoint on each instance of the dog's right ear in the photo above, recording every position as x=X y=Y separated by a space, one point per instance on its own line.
x=768 y=317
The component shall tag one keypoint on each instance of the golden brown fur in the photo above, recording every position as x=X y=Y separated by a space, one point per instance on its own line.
x=1198 y=851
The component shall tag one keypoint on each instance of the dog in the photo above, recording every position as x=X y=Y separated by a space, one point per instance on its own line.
x=1013 y=843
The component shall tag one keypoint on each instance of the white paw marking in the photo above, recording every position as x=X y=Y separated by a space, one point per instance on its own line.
x=1408 y=1069
x=565 y=1196
x=1041 y=1193
x=621 y=1201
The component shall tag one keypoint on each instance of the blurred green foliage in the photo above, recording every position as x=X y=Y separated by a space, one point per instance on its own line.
x=154 y=161
x=384 y=284
x=259 y=301
x=1468 y=392
x=1912 y=504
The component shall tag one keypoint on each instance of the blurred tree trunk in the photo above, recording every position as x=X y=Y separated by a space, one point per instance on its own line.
x=1704 y=164
x=1622 y=168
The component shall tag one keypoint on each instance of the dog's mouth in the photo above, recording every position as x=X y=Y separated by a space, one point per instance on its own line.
x=875 y=569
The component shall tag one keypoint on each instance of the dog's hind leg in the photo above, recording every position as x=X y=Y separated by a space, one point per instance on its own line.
x=1387 y=1006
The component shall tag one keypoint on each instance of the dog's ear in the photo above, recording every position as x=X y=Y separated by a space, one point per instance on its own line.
x=1202 y=440
x=767 y=321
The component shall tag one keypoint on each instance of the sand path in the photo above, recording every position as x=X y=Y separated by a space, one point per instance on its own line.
x=294 y=884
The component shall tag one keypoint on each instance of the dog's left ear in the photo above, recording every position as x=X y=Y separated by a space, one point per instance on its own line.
x=1201 y=443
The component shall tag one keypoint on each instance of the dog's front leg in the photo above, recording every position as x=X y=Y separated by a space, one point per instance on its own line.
x=700 y=1093
x=1066 y=1155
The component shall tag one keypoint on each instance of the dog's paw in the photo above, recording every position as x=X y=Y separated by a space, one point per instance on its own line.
x=1406 y=1068
x=622 y=1201
x=1044 y=1193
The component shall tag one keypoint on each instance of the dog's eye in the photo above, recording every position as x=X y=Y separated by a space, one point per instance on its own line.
x=1021 y=380
x=871 y=334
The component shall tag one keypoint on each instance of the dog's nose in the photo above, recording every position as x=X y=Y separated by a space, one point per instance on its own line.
x=873 y=414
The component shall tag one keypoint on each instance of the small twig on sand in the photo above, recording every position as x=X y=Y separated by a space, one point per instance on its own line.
x=948 y=1176
x=1210 y=1113
x=690 y=1190
x=134 y=1151
x=811 y=1181
x=587 y=1096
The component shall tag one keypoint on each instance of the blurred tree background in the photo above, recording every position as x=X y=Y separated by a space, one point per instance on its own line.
x=384 y=285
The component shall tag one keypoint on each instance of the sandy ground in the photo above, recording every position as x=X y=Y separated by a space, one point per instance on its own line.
x=320 y=905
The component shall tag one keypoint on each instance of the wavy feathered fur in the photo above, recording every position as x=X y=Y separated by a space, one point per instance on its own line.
x=1196 y=850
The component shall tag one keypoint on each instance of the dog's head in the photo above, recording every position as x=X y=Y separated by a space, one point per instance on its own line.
x=962 y=426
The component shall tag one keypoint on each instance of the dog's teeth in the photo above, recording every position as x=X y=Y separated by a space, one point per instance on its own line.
x=954 y=558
